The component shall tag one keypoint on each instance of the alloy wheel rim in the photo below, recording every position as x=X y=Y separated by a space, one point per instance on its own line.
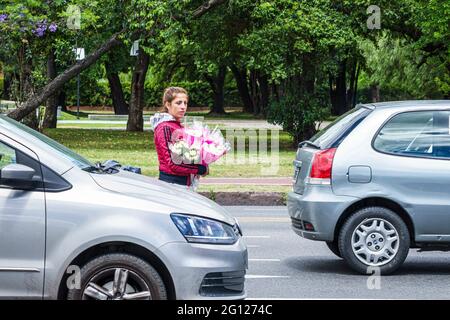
x=375 y=242
x=116 y=284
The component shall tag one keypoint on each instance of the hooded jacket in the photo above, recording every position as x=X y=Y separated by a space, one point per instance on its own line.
x=163 y=125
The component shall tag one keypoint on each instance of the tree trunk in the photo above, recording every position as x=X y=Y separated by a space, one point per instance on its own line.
x=118 y=100
x=355 y=90
x=264 y=89
x=50 y=116
x=51 y=88
x=254 y=92
x=309 y=84
x=26 y=88
x=217 y=85
x=242 y=85
x=6 y=86
x=135 y=118
x=62 y=100
x=375 y=92
x=210 y=4
x=340 y=92
x=351 y=87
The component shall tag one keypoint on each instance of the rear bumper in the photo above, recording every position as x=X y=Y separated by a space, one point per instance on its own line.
x=320 y=207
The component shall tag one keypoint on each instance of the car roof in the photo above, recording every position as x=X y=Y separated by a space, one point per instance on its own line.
x=407 y=104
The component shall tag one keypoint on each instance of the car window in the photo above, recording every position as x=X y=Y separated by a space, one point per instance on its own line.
x=73 y=157
x=7 y=155
x=44 y=178
x=418 y=133
x=442 y=139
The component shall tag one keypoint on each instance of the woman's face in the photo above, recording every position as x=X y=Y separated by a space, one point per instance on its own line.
x=177 y=108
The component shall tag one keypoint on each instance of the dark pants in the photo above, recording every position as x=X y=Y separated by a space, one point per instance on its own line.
x=182 y=180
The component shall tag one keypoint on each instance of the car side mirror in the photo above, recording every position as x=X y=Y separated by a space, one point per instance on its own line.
x=17 y=176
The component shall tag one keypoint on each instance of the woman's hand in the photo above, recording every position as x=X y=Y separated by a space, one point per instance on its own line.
x=203 y=170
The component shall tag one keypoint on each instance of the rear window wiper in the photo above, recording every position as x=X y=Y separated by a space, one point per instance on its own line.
x=309 y=143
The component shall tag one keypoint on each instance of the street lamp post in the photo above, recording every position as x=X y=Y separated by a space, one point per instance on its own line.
x=74 y=23
x=79 y=55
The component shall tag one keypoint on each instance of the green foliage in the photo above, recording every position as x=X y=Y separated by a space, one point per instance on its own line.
x=409 y=58
x=401 y=70
x=298 y=114
x=94 y=88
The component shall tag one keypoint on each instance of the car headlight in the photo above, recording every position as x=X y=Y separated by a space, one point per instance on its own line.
x=202 y=230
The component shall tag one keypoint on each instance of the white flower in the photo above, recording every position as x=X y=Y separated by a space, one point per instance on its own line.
x=191 y=155
x=179 y=147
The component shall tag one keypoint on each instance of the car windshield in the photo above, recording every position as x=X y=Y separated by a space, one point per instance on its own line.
x=339 y=127
x=73 y=157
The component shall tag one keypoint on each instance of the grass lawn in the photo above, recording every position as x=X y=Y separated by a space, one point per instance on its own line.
x=137 y=149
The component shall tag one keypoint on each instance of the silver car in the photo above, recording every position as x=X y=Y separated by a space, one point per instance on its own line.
x=375 y=183
x=73 y=230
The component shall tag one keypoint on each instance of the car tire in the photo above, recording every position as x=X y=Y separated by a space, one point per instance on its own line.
x=118 y=276
x=374 y=238
x=334 y=247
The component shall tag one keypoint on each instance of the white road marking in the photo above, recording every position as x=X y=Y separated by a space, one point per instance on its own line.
x=257 y=237
x=263 y=219
x=266 y=209
x=260 y=276
x=265 y=260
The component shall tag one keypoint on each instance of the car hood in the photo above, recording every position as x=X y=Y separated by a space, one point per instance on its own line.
x=175 y=197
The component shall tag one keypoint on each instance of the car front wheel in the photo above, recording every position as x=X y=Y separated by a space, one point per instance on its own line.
x=374 y=237
x=118 y=276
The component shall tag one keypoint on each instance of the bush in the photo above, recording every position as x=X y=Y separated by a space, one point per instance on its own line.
x=298 y=114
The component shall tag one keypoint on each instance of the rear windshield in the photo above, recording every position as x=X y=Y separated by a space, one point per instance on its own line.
x=333 y=134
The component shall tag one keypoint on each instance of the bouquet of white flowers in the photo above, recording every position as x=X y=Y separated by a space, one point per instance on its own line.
x=197 y=144
x=182 y=152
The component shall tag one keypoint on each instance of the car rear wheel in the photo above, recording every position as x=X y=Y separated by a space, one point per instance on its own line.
x=334 y=247
x=118 y=277
x=374 y=237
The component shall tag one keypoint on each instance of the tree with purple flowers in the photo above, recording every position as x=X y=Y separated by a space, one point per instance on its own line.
x=35 y=30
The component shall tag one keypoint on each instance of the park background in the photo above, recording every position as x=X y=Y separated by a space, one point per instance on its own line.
x=287 y=64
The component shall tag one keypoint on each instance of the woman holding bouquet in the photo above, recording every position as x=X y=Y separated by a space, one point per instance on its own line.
x=164 y=124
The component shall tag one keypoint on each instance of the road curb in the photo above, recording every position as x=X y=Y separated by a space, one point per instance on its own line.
x=247 y=198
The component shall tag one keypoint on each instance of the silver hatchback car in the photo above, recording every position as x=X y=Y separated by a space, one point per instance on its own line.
x=375 y=183
x=73 y=230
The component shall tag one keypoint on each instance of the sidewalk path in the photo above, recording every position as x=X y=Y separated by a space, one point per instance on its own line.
x=277 y=181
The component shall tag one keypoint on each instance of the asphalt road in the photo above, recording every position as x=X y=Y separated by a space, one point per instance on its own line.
x=284 y=265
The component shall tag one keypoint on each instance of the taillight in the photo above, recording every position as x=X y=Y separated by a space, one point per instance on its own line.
x=322 y=164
